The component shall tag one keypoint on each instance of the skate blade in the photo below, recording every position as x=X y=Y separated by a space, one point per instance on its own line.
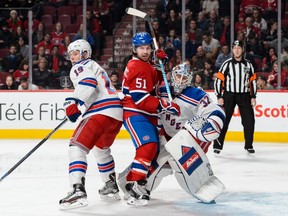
x=110 y=197
x=78 y=204
x=252 y=155
x=136 y=202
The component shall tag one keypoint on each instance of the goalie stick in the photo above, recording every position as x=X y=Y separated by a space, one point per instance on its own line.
x=33 y=150
x=141 y=14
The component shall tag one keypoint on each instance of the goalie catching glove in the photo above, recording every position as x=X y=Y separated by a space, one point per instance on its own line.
x=71 y=109
x=204 y=129
x=168 y=107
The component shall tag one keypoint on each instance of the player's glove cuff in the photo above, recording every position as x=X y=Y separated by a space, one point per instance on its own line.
x=160 y=55
x=71 y=109
x=168 y=107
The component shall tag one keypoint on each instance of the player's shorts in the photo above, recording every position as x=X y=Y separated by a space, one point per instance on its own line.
x=97 y=130
x=141 y=130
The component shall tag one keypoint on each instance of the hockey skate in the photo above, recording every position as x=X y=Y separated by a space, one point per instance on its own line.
x=217 y=151
x=75 y=199
x=110 y=190
x=139 y=196
x=250 y=150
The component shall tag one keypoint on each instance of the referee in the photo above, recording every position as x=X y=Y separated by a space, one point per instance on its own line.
x=236 y=85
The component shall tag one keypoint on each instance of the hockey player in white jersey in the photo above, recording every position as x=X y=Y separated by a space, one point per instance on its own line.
x=199 y=123
x=196 y=104
x=100 y=123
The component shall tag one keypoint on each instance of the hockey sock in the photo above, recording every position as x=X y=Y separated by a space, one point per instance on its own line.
x=142 y=161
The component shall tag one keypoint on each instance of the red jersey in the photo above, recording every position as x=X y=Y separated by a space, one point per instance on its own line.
x=19 y=73
x=34 y=26
x=63 y=49
x=13 y=24
x=270 y=5
x=240 y=26
x=48 y=47
x=58 y=38
x=140 y=89
x=247 y=6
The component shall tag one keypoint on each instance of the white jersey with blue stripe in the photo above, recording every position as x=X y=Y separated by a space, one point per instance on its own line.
x=192 y=101
x=94 y=90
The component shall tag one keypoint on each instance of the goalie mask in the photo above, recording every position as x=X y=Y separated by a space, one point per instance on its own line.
x=181 y=78
x=80 y=45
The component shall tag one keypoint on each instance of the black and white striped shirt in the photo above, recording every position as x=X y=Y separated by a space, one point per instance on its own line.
x=236 y=77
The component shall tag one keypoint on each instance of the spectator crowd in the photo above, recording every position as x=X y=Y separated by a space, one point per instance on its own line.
x=50 y=38
x=207 y=38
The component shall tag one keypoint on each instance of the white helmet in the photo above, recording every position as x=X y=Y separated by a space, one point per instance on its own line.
x=82 y=46
x=181 y=78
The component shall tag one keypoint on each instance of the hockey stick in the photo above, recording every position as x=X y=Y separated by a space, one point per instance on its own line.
x=138 y=13
x=33 y=150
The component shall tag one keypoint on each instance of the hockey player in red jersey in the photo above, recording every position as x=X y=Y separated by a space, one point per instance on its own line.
x=142 y=105
x=185 y=139
x=101 y=122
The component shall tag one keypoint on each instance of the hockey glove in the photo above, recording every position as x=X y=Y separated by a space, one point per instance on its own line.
x=168 y=107
x=203 y=129
x=160 y=54
x=71 y=109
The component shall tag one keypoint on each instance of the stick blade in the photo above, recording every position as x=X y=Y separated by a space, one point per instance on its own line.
x=135 y=12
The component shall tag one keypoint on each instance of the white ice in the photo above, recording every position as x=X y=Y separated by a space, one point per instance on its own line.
x=255 y=185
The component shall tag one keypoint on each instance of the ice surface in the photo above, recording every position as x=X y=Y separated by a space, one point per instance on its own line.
x=255 y=185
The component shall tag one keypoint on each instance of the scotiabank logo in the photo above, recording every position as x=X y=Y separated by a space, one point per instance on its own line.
x=268 y=112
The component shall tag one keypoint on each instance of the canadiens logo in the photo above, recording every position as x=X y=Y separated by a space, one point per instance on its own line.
x=190 y=159
x=145 y=138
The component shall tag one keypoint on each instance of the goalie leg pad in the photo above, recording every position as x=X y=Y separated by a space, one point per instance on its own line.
x=122 y=181
x=192 y=168
x=162 y=170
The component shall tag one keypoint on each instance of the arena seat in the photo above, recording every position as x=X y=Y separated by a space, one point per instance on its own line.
x=263 y=74
x=79 y=10
x=49 y=10
x=3 y=52
x=258 y=62
x=47 y=19
x=79 y=19
x=3 y=76
x=66 y=9
x=72 y=28
x=64 y=19
x=50 y=28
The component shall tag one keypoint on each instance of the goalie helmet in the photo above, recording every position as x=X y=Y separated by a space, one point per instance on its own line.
x=141 y=39
x=181 y=78
x=80 y=45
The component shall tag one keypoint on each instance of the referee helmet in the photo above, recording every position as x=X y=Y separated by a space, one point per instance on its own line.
x=238 y=43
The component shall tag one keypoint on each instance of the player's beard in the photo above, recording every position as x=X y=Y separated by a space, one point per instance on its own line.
x=144 y=58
